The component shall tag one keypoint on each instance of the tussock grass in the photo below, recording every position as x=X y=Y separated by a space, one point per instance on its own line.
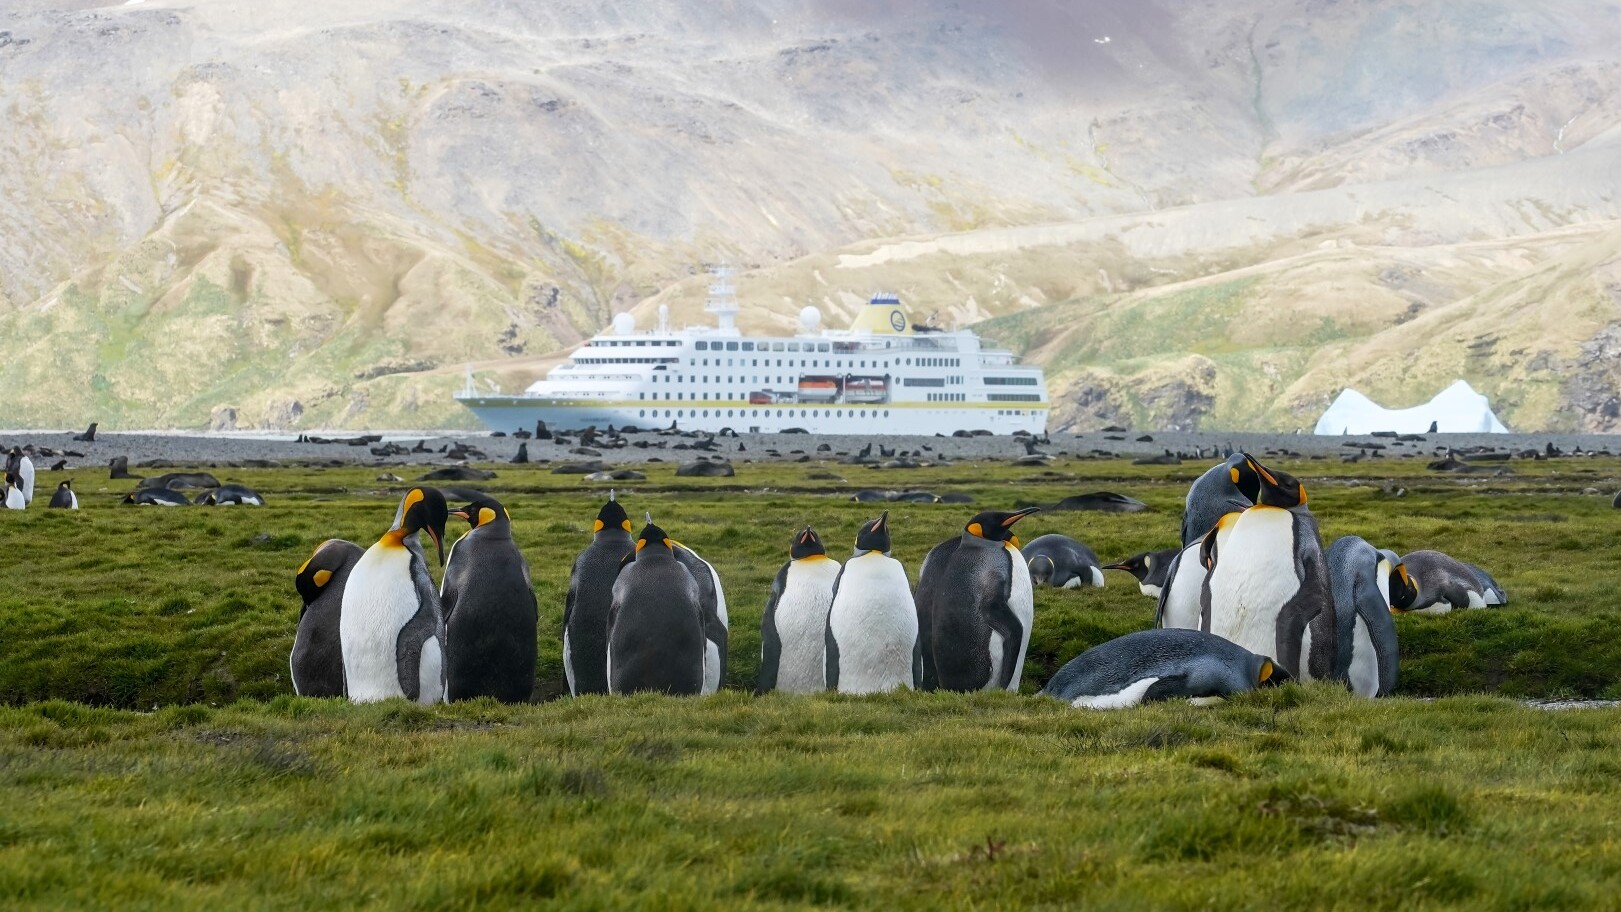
x=154 y=757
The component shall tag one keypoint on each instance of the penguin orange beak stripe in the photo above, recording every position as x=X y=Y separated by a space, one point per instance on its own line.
x=1018 y=515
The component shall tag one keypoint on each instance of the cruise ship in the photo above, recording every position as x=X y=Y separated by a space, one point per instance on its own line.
x=883 y=375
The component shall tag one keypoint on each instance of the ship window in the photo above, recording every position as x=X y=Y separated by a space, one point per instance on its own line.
x=728 y=413
x=776 y=346
x=731 y=346
x=702 y=346
x=793 y=347
x=748 y=346
x=642 y=413
x=822 y=347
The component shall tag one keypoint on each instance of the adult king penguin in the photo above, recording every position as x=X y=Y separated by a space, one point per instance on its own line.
x=1212 y=496
x=1158 y=665
x=1061 y=562
x=391 y=626
x=793 y=632
x=655 y=624
x=64 y=498
x=1266 y=586
x=1441 y=583
x=975 y=606
x=590 y=593
x=316 y=661
x=1364 y=584
x=1151 y=568
x=20 y=465
x=489 y=608
x=872 y=631
x=712 y=604
x=13 y=494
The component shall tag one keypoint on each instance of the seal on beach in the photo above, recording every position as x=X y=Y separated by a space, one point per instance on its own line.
x=1061 y=562
x=655 y=624
x=872 y=625
x=64 y=498
x=489 y=607
x=1150 y=568
x=1362 y=580
x=590 y=594
x=793 y=645
x=316 y=662
x=1158 y=665
x=1266 y=585
x=391 y=626
x=975 y=605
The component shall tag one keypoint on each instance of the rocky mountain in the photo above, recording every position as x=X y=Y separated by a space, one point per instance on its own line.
x=279 y=214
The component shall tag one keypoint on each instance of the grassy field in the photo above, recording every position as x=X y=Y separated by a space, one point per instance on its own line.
x=153 y=754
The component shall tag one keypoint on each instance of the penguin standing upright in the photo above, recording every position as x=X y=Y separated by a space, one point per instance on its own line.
x=975 y=606
x=1266 y=586
x=793 y=632
x=1364 y=584
x=871 y=637
x=64 y=498
x=1151 y=568
x=655 y=625
x=590 y=593
x=20 y=465
x=712 y=603
x=316 y=662
x=14 y=495
x=489 y=608
x=1211 y=496
x=390 y=624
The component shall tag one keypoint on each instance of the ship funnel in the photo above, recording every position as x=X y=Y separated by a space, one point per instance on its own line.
x=883 y=315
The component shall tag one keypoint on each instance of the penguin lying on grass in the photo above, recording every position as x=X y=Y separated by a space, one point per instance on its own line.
x=1154 y=665
x=1444 y=583
x=1061 y=562
x=1151 y=568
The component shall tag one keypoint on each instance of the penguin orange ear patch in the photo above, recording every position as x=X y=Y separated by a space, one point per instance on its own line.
x=596 y=525
x=485 y=516
x=1234 y=473
x=322 y=577
x=414 y=497
x=624 y=523
x=1266 y=671
x=976 y=529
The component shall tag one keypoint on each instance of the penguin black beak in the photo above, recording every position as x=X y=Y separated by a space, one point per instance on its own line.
x=1017 y=515
x=438 y=536
x=1120 y=566
x=883 y=522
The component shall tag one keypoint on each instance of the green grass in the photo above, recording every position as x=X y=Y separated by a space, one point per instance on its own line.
x=153 y=756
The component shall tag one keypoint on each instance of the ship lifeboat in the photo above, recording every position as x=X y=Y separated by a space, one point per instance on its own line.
x=866 y=389
x=818 y=389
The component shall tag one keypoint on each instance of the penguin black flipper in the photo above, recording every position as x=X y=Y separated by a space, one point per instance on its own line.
x=999 y=615
x=711 y=598
x=770 y=641
x=1165 y=590
x=831 y=661
x=1167 y=687
x=1310 y=608
x=425 y=625
x=928 y=586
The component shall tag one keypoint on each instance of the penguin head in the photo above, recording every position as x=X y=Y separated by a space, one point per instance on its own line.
x=611 y=516
x=807 y=544
x=1269 y=673
x=1137 y=565
x=65 y=485
x=1041 y=569
x=996 y=526
x=423 y=510
x=1403 y=588
x=316 y=572
x=1268 y=487
x=482 y=510
x=653 y=540
x=874 y=535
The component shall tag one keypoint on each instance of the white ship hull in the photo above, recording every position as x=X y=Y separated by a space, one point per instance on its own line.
x=514 y=413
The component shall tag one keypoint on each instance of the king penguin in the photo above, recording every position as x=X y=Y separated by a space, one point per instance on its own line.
x=1151 y=568
x=20 y=465
x=871 y=636
x=316 y=662
x=1158 y=665
x=655 y=624
x=490 y=611
x=14 y=495
x=1441 y=583
x=793 y=644
x=712 y=603
x=1364 y=582
x=1061 y=562
x=1266 y=586
x=590 y=593
x=390 y=625
x=1212 y=496
x=975 y=605
x=64 y=498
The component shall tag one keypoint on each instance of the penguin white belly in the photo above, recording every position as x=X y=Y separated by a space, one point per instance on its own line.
x=1022 y=601
x=801 y=620
x=1305 y=655
x=1074 y=582
x=711 y=668
x=431 y=673
x=1475 y=600
x=73 y=501
x=378 y=600
x=874 y=623
x=1182 y=606
x=568 y=664
x=26 y=473
x=1364 y=664
x=1150 y=591
x=1097 y=577
x=1434 y=609
x=1130 y=695
x=1253 y=578
x=14 y=499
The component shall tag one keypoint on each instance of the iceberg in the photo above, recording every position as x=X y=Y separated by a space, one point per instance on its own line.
x=1458 y=409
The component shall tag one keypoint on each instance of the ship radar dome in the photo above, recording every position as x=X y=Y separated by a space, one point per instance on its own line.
x=624 y=324
x=810 y=319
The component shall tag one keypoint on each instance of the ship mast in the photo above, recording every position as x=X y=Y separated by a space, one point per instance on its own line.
x=723 y=299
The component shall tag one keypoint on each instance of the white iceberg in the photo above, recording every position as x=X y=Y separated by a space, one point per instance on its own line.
x=1457 y=410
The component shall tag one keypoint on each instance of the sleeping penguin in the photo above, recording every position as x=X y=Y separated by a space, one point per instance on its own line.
x=489 y=609
x=1364 y=584
x=316 y=662
x=1061 y=562
x=590 y=593
x=1442 y=583
x=655 y=622
x=1154 y=665
x=793 y=646
x=1212 y=496
x=1151 y=568
x=1266 y=584
x=64 y=498
x=975 y=606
